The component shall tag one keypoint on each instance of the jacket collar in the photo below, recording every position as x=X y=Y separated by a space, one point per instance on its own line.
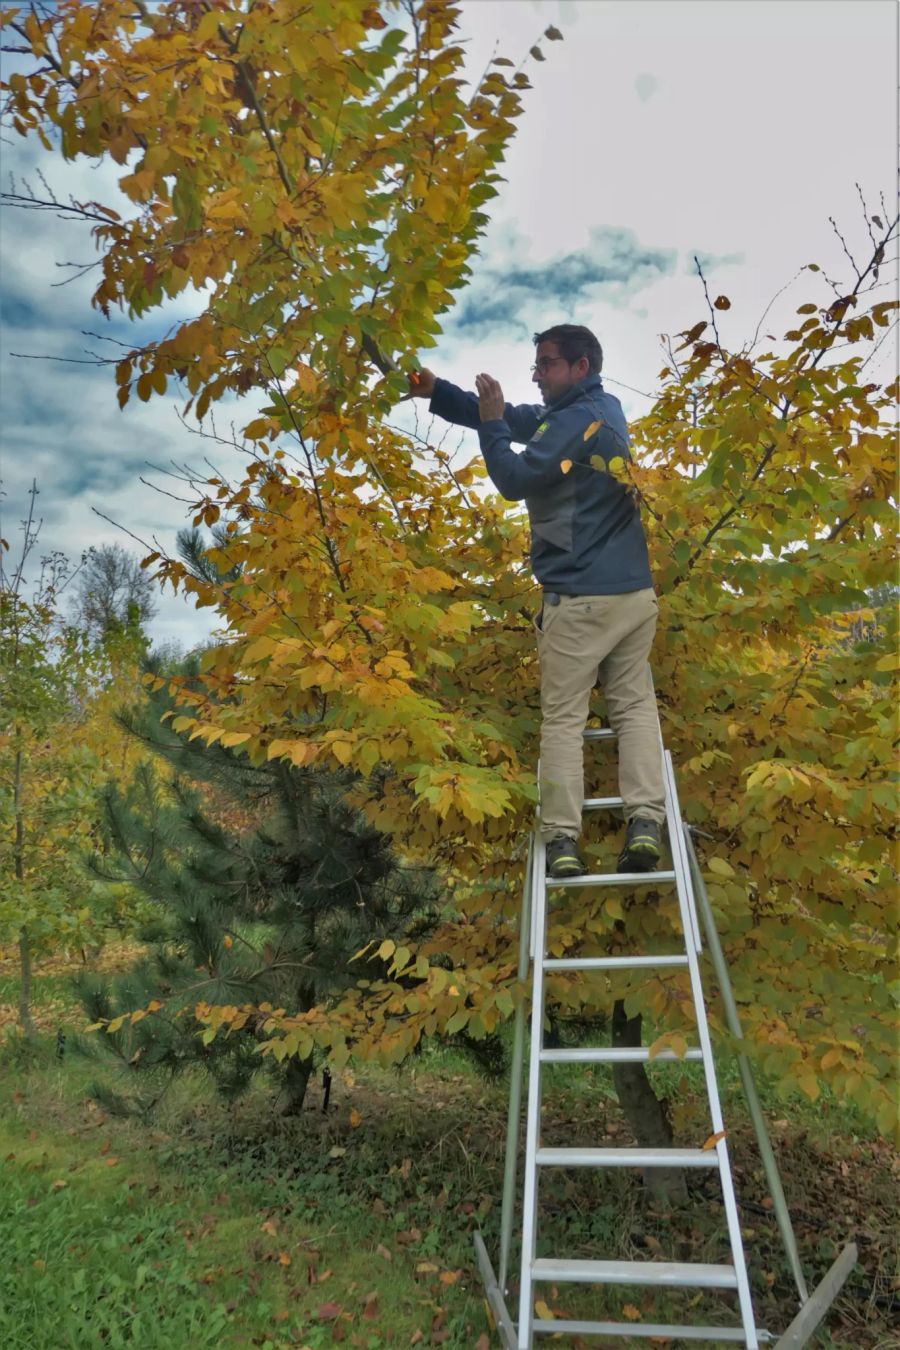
x=592 y=384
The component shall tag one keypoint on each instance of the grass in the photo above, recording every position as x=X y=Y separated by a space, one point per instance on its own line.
x=233 y=1227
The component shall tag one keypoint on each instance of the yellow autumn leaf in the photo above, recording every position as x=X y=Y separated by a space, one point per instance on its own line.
x=713 y=1140
x=565 y=465
x=591 y=430
x=543 y=1310
x=598 y=462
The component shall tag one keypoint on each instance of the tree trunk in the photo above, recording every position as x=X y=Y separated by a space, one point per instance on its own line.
x=296 y=1079
x=644 y=1111
x=25 y=1019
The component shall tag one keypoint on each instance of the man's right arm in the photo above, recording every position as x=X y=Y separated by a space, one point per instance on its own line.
x=461 y=408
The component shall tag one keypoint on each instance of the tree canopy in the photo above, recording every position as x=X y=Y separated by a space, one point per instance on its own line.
x=323 y=172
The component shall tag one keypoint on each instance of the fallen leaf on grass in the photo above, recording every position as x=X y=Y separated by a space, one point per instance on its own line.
x=355 y=1119
x=450 y=1276
x=284 y=1258
x=544 y=1310
x=371 y=1311
x=269 y=1226
x=112 y=1162
x=382 y=1250
x=631 y=1312
x=426 y=1268
x=483 y=1343
x=416 y=1337
x=327 y=1312
x=59 y=1185
x=336 y=1152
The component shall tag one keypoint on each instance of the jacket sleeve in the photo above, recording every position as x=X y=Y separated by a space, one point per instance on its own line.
x=539 y=466
x=461 y=408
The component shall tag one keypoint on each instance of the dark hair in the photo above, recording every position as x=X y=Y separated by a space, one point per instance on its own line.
x=574 y=342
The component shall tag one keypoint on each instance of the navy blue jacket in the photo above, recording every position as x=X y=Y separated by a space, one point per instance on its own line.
x=586 y=532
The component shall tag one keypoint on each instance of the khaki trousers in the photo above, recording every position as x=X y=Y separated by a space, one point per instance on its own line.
x=580 y=639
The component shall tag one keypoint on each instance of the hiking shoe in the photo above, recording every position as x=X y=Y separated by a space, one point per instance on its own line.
x=563 y=858
x=641 y=851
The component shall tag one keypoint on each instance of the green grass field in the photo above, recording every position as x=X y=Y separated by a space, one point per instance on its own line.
x=235 y=1227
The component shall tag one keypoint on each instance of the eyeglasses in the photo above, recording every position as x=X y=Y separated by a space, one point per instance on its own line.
x=543 y=365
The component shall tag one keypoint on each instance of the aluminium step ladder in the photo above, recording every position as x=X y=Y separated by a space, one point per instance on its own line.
x=684 y=875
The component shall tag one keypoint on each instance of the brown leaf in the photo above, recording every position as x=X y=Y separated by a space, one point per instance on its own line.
x=553 y=34
x=270 y=1226
x=538 y=54
x=722 y=302
x=327 y=1312
x=483 y=1342
x=284 y=1258
x=713 y=1140
x=417 y=1336
x=450 y=1276
x=631 y=1312
x=355 y=1119
x=371 y=1311
x=382 y=1250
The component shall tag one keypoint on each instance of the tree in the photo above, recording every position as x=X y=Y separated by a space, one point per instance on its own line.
x=56 y=739
x=331 y=196
x=112 y=592
x=261 y=884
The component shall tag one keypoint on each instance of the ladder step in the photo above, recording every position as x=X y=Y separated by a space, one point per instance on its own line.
x=613 y=879
x=601 y=803
x=566 y=1326
x=613 y=962
x=671 y=1274
x=615 y=1055
x=599 y=734
x=627 y=1157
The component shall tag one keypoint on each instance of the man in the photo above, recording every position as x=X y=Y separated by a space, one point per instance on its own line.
x=589 y=554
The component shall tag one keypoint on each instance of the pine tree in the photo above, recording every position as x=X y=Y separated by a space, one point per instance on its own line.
x=263 y=883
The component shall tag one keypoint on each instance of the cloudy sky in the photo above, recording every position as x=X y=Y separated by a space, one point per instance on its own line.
x=657 y=130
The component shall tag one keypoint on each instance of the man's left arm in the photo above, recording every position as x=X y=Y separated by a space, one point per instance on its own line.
x=539 y=466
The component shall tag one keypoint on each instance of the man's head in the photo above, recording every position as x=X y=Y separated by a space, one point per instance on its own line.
x=564 y=356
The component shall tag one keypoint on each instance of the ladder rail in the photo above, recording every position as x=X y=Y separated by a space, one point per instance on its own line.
x=754 y=1106
x=514 y=1113
x=685 y=899
x=533 y=1112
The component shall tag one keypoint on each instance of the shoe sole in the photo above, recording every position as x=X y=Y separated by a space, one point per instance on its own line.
x=558 y=872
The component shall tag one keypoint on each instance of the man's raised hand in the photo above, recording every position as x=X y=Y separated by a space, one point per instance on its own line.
x=421 y=383
x=491 y=403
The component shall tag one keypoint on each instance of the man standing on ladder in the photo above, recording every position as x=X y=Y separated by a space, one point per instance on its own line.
x=589 y=554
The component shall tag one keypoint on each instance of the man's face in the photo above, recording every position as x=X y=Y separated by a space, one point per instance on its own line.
x=552 y=373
